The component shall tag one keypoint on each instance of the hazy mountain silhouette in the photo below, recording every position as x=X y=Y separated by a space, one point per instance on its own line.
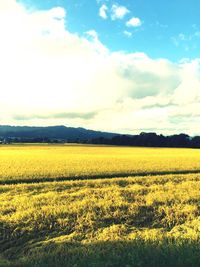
x=57 y=132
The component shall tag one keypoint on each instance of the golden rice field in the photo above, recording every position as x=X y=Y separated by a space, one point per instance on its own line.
x=148 y=217
x=81 y=161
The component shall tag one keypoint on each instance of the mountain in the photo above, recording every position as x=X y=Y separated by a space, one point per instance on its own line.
x=60 y=134
x=51 y=132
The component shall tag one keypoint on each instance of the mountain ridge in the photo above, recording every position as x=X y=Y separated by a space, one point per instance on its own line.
x=64 y=134
x=58 y=132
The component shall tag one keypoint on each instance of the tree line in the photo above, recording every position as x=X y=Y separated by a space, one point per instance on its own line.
x=143 y=139
x=151 y=140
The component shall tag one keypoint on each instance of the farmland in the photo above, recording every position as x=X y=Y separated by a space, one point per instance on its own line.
x=56 y=210
x=36 y=162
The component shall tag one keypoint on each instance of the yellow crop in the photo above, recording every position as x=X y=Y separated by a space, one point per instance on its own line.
x=151 y=220
x=33 y=162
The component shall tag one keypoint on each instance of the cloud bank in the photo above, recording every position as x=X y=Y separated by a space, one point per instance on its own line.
x=52 y=76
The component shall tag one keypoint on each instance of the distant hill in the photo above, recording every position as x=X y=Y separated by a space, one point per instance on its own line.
x=61 y=134
x=51 y=132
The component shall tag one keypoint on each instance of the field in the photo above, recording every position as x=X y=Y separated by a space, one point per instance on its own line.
x=44 y=163
x=68 y=205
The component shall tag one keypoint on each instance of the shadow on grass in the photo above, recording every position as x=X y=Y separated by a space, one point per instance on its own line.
x=92 y=176
x=137 y=253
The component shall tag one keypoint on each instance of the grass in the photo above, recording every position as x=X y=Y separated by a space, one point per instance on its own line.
x=135 y=221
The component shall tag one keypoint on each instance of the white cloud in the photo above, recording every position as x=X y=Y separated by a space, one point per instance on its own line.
x=92 y=33
x=134 y=22
x=94 y=41
x=118 y=12
x=127 y=33
x=51 y=76
x=103 y=11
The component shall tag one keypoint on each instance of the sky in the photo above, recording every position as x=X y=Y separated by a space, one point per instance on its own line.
x=120 y=66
